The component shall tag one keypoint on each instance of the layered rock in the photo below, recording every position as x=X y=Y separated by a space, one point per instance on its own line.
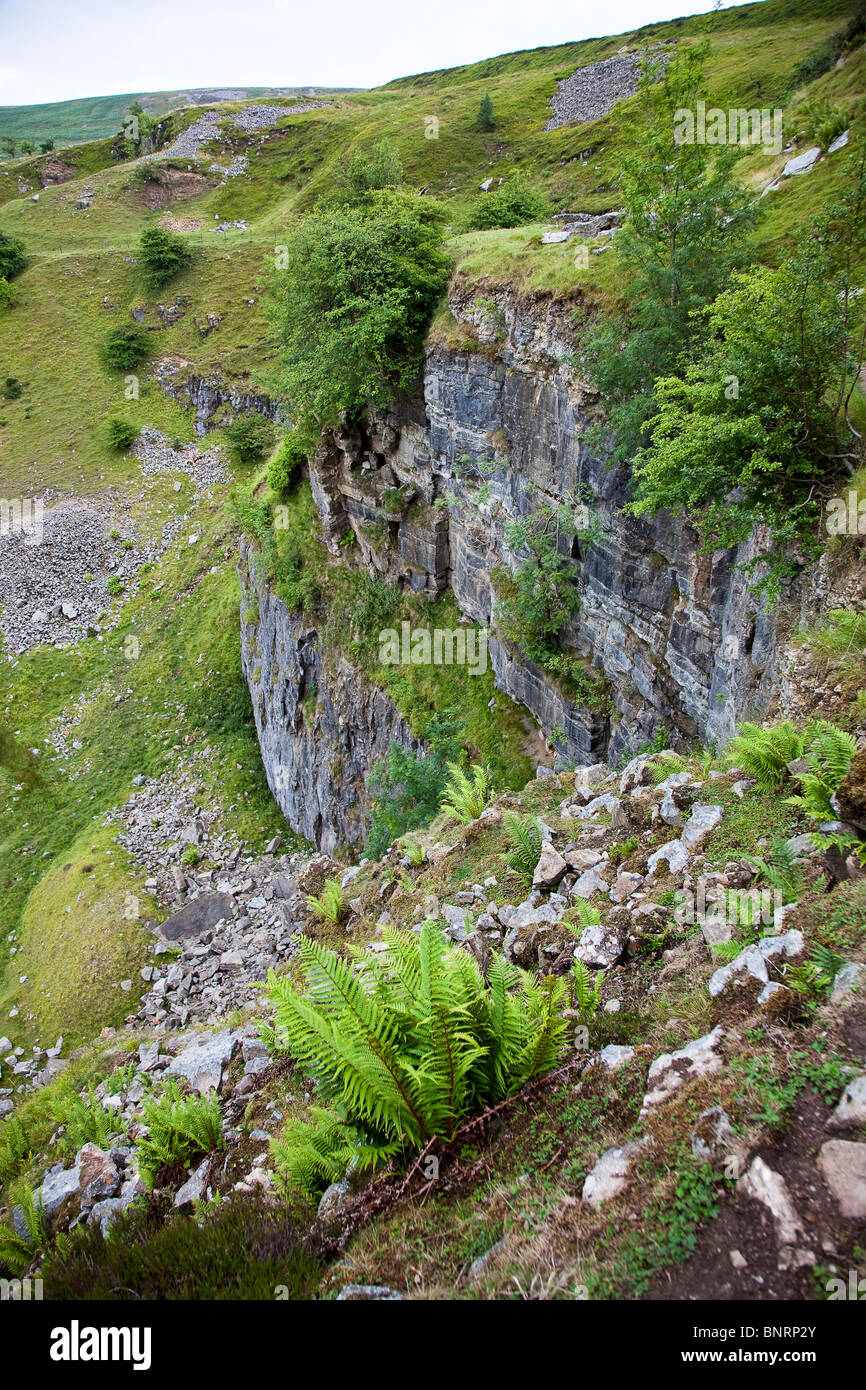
x=430 y=485
x=321 y=725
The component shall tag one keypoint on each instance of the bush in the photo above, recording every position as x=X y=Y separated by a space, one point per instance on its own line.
x=352 y=308
x=12 y=256
x=121 y=434
x=373 y=166
x=410 y=1043
x=125 y=347
x=162 y=254
x=286 y=464
x=512 y=205
x=250 y=437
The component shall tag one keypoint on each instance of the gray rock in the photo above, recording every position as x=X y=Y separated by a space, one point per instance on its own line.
x=843 y=1164
x=851 y=979
x=601 y=946
x=200 y=915
x=669 y=1071
x=615 y=1056
x=702 y=821
x=851 y=1109
x=550 y=869
x=610 y=1173
x=193 y=1189
x=767 y=1186
x=752 y=962
x=712 y=1136
x=673 y=855
x=334 y=1200
x=368 y=1293
x=202 y=1061
x=802 y=163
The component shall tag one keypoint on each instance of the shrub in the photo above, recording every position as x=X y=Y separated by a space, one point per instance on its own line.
x=250 y=437
x=406 y=789
x=466 y=796
x=377 y=165
x=243 y=1249
x=7 y=294
x=485 y=119
x=13 y=258
x=409 y=1043
x=162 y=254
x=121 y=434
x=180 y=1128
x=352 y=308
x=126 y=346
x=286 y=464
x=512 y=205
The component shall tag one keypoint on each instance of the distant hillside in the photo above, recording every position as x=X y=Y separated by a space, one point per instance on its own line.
x=94 y=118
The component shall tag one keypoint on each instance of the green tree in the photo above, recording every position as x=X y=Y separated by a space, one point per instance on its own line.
x=758 y=428
x=352 y=308
x=686 y=218
x=126 y=346
x=12 y=256
x=250 y=437
x=120 y=433
x=538 y=600
x=485 y=119
x=162 y=254
x=46 y=146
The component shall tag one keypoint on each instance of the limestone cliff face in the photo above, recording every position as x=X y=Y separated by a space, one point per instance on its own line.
x=321 y=726
x=499 y=429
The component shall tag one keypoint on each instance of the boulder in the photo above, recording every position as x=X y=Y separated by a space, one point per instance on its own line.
x=602 y=945
x=752 y=963
x=702 y=821
x=843 y=1164
x=768 y=1187
x=851 y=1110
x=610 y=1174
x=202 y=914
x=202 y=1061
x=672 y=1069
x=550 y=869
x=673 y=854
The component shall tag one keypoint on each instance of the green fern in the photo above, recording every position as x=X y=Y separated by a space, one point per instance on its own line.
x=415 y=853
x=525 y=839
x=726 y=951
x=407 y=1044
x=828 y=752
x=180 y=1128
x=587 y=992
x=782 y=872
x=765 y=753
x=86 y=1121
x=465 y=797
x=328 y=907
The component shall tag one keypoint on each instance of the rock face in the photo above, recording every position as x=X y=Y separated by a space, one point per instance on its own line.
x=500 y=431
x=321 y=725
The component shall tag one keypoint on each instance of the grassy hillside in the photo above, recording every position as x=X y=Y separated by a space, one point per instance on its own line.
x=82 y=279
x=95 y=118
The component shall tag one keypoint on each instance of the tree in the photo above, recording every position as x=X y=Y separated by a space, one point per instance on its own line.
x=163 y=254
x=537 y=602
x=485 y=119
x=352 y=308
x=46 y=146
x=757 y=428
x=250 y=437
x=512 y=205
x=13 y=258
x=126 y=346
x=120 y=433
x=686 y=217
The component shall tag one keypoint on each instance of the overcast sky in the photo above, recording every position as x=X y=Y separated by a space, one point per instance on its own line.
x=51 y=50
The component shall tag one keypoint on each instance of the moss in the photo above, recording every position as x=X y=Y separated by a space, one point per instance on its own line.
x=83 y=930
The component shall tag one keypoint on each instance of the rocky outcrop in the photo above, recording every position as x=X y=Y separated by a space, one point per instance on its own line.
x=210 y=396
x=321 y=725
x=430 y=486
